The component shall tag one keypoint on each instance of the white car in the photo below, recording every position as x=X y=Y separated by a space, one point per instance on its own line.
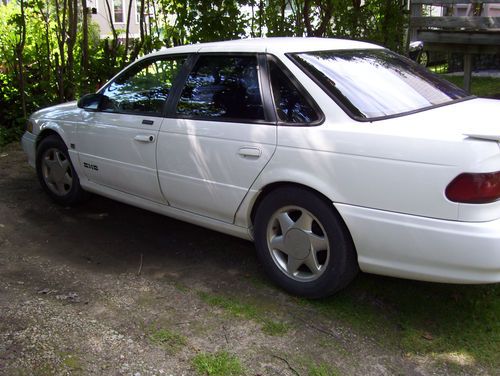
x=331 y=155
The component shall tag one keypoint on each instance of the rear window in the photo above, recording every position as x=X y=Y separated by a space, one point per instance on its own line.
x=376 y=83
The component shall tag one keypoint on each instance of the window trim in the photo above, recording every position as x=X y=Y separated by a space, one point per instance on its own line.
x=172 y=114
x=346 y=109
x=123 y=13
x=302 y=91
x=145 y=61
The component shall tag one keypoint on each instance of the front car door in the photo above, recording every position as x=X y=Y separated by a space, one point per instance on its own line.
x=117 y=143
x=218 y=137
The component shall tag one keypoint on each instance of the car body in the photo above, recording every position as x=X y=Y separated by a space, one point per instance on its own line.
x=322 y=151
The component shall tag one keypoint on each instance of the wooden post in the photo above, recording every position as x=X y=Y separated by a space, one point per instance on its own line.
x=467 y=72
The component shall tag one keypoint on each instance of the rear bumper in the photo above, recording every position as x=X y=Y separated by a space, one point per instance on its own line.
x=28 y=142
x=422 y=248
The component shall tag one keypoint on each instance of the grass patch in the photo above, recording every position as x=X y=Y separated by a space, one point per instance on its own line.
x=322 y=369
x=453 y=324
x=72 y=362
x=218 y=364
x=274 y=328
x=170 y=341
x=480 y=86
x=247 y=311
x=181 y=287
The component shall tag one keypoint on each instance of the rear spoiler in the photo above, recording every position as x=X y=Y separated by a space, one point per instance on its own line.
x=488 y=137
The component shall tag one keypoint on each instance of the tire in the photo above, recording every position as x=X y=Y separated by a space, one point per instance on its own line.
x=423 y=58
x=303 y=243
x=56 y=173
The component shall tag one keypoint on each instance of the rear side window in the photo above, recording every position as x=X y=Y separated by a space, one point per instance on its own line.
x=222 y=87
x=291 y=105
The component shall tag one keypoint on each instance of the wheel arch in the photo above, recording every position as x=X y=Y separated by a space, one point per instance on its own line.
x=267 y=189
x=46 y=132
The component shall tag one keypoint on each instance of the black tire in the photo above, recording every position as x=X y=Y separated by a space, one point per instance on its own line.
x=56 y=173
x=333 y=268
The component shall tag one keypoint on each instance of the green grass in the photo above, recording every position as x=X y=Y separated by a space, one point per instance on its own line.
x=170 y=341
x=73 y=363
x=480 y=86
x=247 y=311
x=322 y=369
x=218 y=364
x=453 y=324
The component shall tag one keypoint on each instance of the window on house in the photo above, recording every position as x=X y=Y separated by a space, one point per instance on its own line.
x=118 y=9
x=138 y=11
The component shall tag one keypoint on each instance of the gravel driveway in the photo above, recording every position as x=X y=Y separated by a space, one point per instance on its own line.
x=108 y=289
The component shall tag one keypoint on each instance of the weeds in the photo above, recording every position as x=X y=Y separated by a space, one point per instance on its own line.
x=218 y=364
x=247 y=311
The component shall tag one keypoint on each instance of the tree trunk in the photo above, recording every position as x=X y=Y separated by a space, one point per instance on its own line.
x=19 y=57
x=61 y=37
x=85 y=49
x=127 y=31
x=114 y=47
x=70 y=43
x=139 y=44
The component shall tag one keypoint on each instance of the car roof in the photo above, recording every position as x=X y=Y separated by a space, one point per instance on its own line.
x=269 y=45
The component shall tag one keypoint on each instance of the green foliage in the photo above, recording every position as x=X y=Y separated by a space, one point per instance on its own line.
x=57 y=69
x=480 y=86
x=218 y=364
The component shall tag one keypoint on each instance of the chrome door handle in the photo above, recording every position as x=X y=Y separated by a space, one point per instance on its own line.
x=249 y=152
x=144 y=138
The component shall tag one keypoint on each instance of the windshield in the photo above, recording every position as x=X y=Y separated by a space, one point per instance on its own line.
x=376 y=83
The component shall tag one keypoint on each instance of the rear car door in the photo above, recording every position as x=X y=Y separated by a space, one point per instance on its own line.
x=117 y=143
x=218 y=136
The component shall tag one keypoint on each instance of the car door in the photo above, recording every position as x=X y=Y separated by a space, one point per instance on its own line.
x=218 y=137
x=117 y=143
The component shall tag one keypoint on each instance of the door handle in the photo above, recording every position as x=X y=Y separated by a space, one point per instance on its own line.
x=249 y=152
x=144 y=138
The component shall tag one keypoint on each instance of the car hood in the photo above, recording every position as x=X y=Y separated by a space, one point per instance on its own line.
x=59 y=111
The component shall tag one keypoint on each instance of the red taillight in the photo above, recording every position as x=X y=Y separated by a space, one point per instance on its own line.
x=472 y=188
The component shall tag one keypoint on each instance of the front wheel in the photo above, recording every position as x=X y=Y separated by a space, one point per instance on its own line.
x=55 y=172
x=303 y=243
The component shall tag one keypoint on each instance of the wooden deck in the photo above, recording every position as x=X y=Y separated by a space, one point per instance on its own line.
x=461 y=34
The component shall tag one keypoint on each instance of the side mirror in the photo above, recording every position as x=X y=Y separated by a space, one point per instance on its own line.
x=90 y=102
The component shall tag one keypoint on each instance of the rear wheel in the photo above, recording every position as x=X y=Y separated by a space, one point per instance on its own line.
x=303 y=243
x=56 y=173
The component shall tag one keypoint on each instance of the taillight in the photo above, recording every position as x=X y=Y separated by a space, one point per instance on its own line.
x=471 y=188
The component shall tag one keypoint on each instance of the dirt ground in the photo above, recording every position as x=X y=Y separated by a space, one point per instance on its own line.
x=75 y=297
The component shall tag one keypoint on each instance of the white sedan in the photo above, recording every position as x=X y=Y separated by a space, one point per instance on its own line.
x=331 y=155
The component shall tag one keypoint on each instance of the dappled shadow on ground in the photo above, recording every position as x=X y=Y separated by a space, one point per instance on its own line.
x=453 y=325
x=457 y=324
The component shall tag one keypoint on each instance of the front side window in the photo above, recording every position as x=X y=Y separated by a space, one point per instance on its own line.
x=376 y=83
x=291 y=105
x=222 y=87
x=144 y=88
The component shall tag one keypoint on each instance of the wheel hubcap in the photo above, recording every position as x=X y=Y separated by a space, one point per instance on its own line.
x=56 y=171
x=298 y=243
